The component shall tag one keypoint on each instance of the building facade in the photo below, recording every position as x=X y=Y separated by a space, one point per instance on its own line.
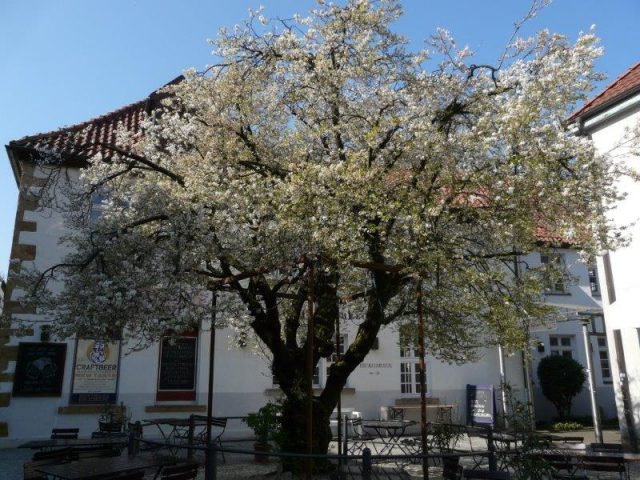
x=66 y=383
x=612 y=120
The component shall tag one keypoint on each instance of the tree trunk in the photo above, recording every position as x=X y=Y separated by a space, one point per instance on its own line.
x=293 y=435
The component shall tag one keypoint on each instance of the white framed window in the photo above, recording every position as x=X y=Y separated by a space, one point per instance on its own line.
x=554 y=281
x=410 y=378
x=603 y=357
x=410 y=370
x=561 y=345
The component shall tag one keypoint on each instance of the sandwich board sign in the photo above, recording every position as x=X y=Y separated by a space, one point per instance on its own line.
x=481 y=405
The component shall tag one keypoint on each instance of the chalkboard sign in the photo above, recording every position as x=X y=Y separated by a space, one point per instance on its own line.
x=178 y=363
x=39 y=369
x=481 y=405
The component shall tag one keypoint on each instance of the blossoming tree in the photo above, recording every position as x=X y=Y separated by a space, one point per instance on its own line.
x=321 y=158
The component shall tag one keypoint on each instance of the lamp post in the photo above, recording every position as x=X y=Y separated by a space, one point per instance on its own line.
x=592 y=384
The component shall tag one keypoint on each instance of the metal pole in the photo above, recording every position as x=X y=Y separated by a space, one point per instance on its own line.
x=423 y=383
x=503 y=386
x=339 y=406
x=366 y=464
x=310 y=368
x=212 y=347
x=210 y=465
x=592 y=384
x=529 y=388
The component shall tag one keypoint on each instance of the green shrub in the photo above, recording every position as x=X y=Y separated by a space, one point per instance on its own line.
x=561 y=379
x=566 y=426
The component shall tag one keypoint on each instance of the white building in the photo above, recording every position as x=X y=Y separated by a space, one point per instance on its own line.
x=608 y=119
x=36 y=396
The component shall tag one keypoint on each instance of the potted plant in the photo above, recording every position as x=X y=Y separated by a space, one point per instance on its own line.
x=112 y=419
x=265 y=425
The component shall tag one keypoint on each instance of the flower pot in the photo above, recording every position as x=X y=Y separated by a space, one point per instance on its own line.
x=261 y=447
x=110 y=427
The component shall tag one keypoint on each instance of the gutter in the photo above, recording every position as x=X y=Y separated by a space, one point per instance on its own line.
x=584 y=125
x=15 y=165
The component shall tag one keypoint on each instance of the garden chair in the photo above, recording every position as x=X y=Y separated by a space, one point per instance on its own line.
x=563 y=467
x=219 y=423
x=49 y=457
x=358 y=437
x=612 y=464
x=64 y=433
x=137 y=475
x=182 y=471
x=451 y=468
x=485 y=475
x=606 y=447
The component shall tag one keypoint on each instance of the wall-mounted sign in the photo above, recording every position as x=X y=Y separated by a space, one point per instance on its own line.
x=177 y=375
x=375 y=365
x=481 y=405
x=39 y=369
x=95 y=373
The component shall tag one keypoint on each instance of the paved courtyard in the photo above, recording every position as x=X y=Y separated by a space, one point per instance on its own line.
x=241 y=466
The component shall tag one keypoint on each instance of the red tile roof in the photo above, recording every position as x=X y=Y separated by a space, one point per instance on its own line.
x=82 y=141
x=623 y=86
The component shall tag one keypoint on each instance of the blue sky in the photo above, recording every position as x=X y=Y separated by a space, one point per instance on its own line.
x=66 y=61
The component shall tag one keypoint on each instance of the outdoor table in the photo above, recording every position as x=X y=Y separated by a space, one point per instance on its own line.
x=74 y=442
x=178 y=428
x=98 y=467
x=391 y=429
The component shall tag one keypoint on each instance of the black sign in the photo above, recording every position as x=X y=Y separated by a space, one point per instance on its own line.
x=39 y=369
x=178 y=363
x=481 y=405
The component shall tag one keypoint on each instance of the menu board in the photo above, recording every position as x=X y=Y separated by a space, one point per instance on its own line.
x=480 y=404
x=178 y=363
x=39 y=369
x=95 y=373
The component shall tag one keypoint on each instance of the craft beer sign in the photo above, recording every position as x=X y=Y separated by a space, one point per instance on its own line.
x=95 y=374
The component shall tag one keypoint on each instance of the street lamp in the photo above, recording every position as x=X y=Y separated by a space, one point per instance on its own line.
x=592 y=384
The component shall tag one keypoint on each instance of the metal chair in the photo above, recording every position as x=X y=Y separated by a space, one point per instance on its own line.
x=485 y=475
x=182 y=471
x=606 y=447
x=358 y=437
x=96 y=452
x=64 y=433
x=216 y=422
x=563 y=467
x=137 y=475
x=595 y=463
x=109 y=435
x=451 y=468
x=48 y=457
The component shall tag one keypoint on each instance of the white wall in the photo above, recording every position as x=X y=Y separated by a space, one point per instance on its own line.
x=624 y=314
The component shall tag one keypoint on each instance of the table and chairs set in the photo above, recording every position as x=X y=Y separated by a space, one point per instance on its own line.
x=65 y=456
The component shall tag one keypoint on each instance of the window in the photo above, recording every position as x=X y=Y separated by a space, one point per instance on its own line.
x=603 y=356
x=409 y=370
x=554 y=277
x=95 y=209
x=593 y=280
x=608 y=277
x=409 y=377
x=177 y=369
x=561 y=345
